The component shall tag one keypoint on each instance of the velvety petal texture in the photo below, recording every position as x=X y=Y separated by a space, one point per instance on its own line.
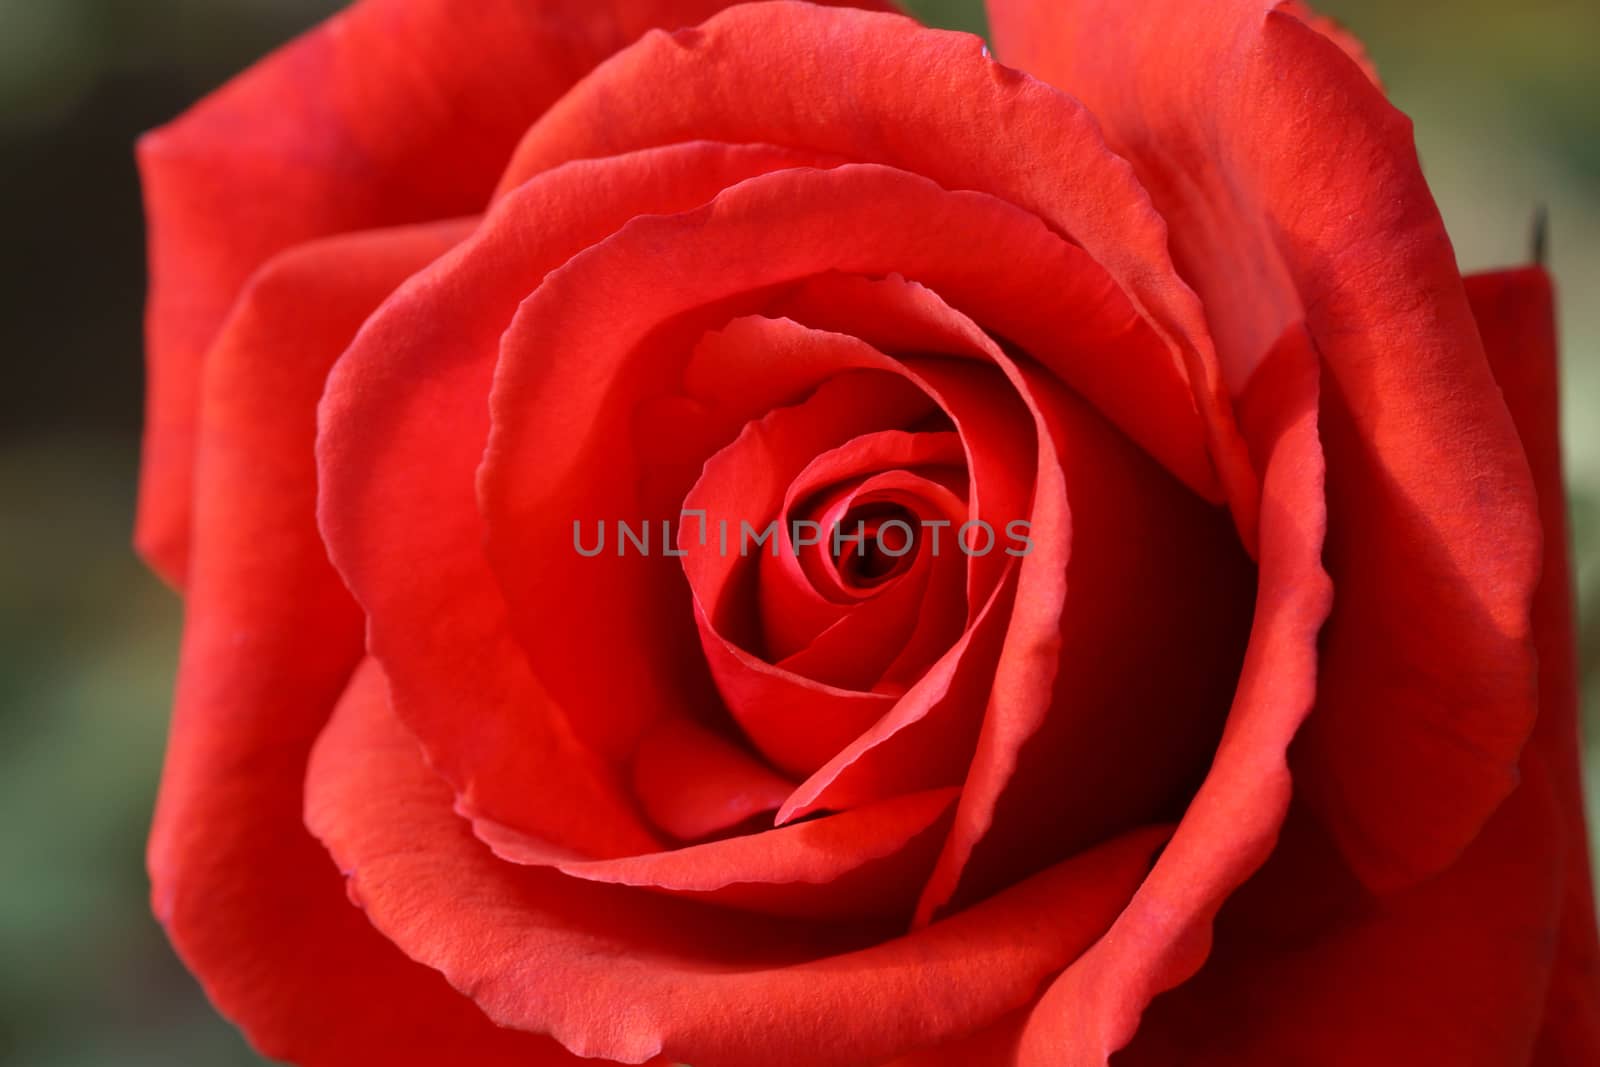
x=627 y=978
x=240 y=886
x=492 y=730
x=1515 y=310
x=1232 y=823
x=880 y=90
x=392 y=112
x=1455 y=970
x=1269 y=151
x=767 y=536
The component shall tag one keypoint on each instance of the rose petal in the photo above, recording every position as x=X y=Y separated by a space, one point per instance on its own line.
x=622 y=975
x=692 y=782
x=247 y=896
x=540 y=472
x=393 y=112
x=1038 y=799
x=847 y=641
x=1452 y=971
x=404 y=423
x=883 y=90
x=749 y=484
x=916 y=613
x=1516 y=316
x=757 y=363
x=1118 y=664
x=927 y=738
x=914 y=474
x=1331 y=28
x=1232 y=823
x=1269 y=151
x=796 y=722
x=856 y=866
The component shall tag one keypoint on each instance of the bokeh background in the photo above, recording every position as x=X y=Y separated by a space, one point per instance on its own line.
x=1504 y=100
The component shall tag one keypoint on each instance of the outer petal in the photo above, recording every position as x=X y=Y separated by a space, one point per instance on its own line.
x=1232 y=823
x=1118 y=667
x=1516 y=316
x=404 y=424
x=1293 y=191
x=618 y=974
x=249 y=899
x=876 y=89
x=1311 y=970
x=395 y=111
x=1334 y=31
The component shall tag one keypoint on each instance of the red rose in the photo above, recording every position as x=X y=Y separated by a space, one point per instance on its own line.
x=1231 y=721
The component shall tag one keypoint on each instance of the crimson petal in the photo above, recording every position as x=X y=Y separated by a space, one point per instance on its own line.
x=615 y=973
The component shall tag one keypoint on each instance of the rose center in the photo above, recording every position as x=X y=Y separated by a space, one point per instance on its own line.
x=876 y=542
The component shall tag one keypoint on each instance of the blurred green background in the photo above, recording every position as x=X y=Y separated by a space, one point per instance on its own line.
x=1503 y=96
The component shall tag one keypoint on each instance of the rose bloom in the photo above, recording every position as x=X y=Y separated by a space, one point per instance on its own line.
x=1263 y=752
